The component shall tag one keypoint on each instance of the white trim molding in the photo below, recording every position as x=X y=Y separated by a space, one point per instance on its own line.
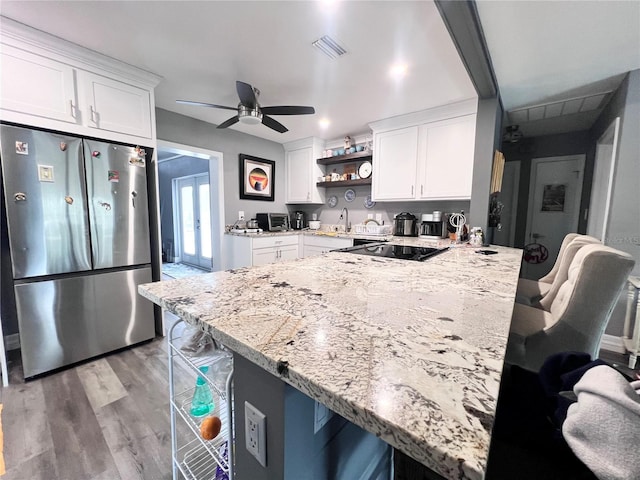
x=612 y=343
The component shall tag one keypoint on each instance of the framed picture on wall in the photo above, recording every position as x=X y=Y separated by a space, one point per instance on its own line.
x=257 y=177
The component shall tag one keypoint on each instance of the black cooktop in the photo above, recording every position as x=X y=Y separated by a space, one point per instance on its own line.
x=418 y=254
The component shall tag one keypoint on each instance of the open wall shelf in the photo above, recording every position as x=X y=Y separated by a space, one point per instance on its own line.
x=351 y=157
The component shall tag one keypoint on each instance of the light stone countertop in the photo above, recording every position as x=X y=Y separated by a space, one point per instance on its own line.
x=410 y=351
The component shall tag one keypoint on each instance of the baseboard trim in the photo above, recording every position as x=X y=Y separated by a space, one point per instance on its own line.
x=612 y=343
x=12 y=342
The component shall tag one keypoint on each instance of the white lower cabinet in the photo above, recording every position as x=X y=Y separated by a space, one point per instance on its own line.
x=241 y=251
x=317 y=245
x=193 y=457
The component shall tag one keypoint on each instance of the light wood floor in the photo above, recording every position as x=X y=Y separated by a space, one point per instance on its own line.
x=105 y=419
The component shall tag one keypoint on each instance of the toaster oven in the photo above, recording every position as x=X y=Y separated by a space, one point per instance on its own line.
x=273 y=222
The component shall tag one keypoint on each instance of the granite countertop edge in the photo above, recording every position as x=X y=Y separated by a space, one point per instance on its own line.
x=435 y=456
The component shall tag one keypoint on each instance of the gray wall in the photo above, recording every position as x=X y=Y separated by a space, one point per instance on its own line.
x=624 y=218
x=177 y=128
x=167 y=171
x=488 y=127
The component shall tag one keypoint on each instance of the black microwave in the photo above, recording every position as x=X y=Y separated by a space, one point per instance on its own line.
x=273 y=222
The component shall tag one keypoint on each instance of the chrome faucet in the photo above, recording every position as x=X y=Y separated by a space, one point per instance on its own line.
x=344 y=215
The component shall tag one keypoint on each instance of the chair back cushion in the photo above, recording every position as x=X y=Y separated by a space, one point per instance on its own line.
x=549 y=277
x=585 y=301
x=563 y=271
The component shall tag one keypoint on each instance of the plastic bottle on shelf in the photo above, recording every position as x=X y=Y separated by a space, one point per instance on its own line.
x=202 y=403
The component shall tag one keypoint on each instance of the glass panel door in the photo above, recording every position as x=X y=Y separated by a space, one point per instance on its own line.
x=194 y=215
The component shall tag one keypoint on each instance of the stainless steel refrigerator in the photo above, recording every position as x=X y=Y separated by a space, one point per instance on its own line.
x=78 y=226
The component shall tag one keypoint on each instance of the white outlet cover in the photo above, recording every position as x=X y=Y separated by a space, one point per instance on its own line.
x=255 y=430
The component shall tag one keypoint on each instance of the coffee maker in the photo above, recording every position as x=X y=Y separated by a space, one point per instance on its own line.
x=297 y=221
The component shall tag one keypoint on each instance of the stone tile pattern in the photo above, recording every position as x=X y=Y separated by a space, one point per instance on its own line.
x=409 y=351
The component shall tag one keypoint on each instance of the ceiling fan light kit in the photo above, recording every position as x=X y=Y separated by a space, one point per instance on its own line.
x=250 y=112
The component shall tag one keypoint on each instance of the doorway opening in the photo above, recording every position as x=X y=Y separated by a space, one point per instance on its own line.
x=191 y=196
x=553 y=210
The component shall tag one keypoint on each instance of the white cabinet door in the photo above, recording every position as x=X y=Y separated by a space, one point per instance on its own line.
x=318 y=244
x=395 y=158
x=446 y=152
x=299 y=163
x=36 y=85
x=263 y=256
x=116 y=106
x=288 y=252
x=302 y=172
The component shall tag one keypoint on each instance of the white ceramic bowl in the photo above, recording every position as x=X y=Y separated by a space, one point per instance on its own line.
x=314 y=224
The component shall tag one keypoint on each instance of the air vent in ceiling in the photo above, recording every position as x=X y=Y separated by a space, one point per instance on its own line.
x=329 y=47
x=556 y=109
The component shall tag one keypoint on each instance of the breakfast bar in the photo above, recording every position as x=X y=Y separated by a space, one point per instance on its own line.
x=411 y=352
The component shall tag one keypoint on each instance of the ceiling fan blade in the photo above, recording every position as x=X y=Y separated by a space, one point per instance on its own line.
x=273 y=124
x=287 y=110
x=200 y=104
x=229 y=122
x=246 y=94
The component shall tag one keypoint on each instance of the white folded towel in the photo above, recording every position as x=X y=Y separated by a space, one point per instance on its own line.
x=603 y=426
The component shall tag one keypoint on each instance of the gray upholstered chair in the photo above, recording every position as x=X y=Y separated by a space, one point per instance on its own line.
x=530 y=292
x=579 y=313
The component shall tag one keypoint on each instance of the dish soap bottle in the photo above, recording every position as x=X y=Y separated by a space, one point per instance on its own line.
x=202 y=403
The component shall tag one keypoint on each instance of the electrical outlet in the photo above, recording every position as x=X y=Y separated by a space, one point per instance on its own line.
x=379 y=218
x=255 y=432
x=241 y=215
x=369 y=216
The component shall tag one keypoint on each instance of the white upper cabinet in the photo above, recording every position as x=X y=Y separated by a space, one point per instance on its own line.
x=447 y=150
x=395 y=158
x=50 y=83
x=116 y=106
x=37 y=85
x=302 y=171
x=425 y=156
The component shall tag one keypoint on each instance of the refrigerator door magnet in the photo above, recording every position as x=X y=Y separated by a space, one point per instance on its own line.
x=45 y=173
x=114 y=176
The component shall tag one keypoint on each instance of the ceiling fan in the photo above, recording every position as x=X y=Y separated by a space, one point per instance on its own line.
x=250 y=112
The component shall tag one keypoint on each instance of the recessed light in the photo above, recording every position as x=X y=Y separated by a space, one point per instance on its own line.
x=398 y=70
x=324 y=123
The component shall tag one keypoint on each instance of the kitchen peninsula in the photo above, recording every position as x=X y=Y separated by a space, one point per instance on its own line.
x=409 y=351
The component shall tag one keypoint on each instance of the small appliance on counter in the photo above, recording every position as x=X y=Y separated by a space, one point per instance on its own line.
x=433 y=226
x=405 y=224
x=297 y=221
x=273 y=222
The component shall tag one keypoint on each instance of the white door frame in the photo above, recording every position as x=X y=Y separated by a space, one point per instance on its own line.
x=216 y=191
x=609 y=137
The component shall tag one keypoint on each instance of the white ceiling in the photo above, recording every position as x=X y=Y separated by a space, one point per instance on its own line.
x=201 y=49
x=542 y=52
x=546 y=51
